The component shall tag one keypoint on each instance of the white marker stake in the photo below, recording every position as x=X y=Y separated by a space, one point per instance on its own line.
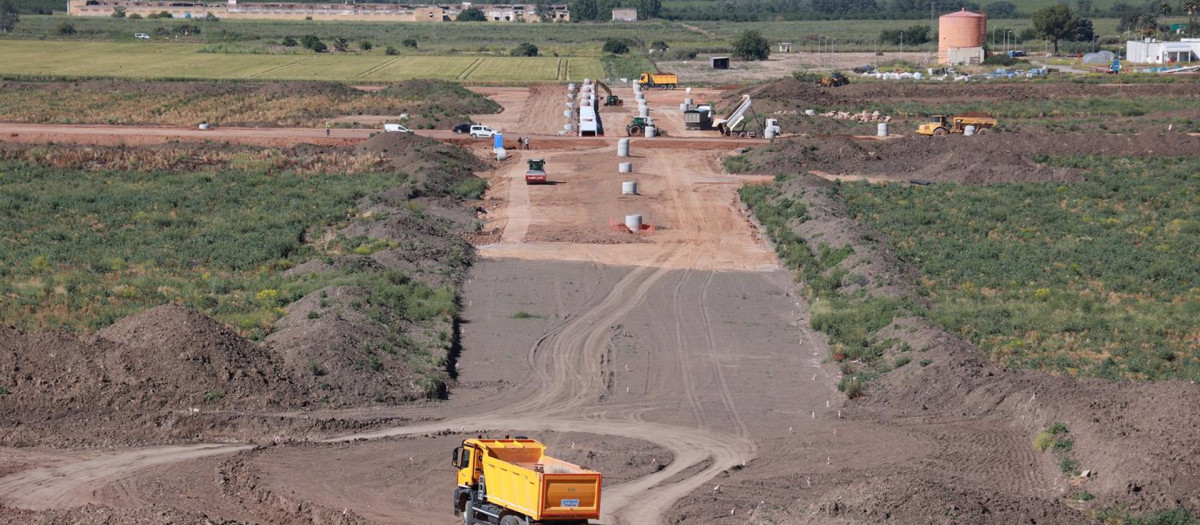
x=814 y=414
x=808 y=479
x=828 y=460
x=826 y=403
x=789 y=430
x=835 y=431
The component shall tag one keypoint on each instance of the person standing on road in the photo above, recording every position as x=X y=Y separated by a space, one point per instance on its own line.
x=519 y=139
x=326 y=129
x=526 y=142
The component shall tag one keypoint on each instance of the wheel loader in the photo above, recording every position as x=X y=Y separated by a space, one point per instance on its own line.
x=514 y=482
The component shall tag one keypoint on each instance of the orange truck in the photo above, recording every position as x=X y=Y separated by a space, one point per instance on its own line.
x=659 y=80
x=514 y=482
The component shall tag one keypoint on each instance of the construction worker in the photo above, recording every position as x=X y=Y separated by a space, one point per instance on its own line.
x=326 y=129
x=526 y=142
x=519 y=139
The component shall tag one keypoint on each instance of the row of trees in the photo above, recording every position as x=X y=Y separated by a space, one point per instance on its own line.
x=585 y=10
x=757 y=10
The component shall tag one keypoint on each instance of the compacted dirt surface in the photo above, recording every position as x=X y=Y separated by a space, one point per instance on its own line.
x=677 y=360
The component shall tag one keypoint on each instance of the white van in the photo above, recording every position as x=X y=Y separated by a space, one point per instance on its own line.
x=396 y=128
x=479 y=130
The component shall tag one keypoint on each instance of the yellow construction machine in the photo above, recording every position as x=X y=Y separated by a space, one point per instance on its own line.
x=942 y=125
x=514 y=482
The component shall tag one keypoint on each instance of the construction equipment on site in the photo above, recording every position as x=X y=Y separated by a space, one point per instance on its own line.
x=637 y=125
x=835 y=79
x=942 y=125
x=659 y=80
x=513 y=482
x=537 y=172
x=610 y=99
x=735 y=122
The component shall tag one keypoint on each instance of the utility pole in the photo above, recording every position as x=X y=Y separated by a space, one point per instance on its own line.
x=902 y=45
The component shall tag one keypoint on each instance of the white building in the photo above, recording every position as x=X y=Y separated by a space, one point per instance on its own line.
x=624 y=14
x=1152 y=51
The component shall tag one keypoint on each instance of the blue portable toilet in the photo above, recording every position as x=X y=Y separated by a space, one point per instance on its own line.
x=499 y=141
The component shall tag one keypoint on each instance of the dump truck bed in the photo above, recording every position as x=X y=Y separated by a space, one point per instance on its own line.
x=539 y=486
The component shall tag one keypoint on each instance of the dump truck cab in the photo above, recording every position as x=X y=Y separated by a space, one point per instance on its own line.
x=513 y=482
x=931 y=126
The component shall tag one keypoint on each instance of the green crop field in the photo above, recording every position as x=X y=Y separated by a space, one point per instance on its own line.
x=153 y=60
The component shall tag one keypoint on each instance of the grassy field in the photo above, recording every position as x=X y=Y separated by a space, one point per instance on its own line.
x=153 y=60
x=1097 y=278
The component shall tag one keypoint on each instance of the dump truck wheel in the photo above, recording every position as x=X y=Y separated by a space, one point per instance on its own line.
x=983 y=131
x=510 y=520
x=468 y=513
x=939 y=132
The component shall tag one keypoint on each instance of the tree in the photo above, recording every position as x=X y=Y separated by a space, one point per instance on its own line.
x=313 y=43
x=584 y=10
x=408 y=42
x=1001 y=9
x=543 y=10
x=915 y=34
x=211 y=18
x=118 y=12
x=649 y=9
x=616 y=47
x=8 y=16
x=659 y=46
x=340 y=44
x=288 y=42
x=750 y=45
x=1060 y=23
x=1192 y=8
x=65 y=28
x=471 y=14
x=390 y=51
x=525 y=49
x=365 y=45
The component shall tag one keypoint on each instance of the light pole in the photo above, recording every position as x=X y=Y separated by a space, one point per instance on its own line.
x=1006 y=41
x=902 y=45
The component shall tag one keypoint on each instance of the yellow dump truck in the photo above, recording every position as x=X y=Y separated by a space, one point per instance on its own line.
x=942 y=125
x=513 y=482
x=659 y=80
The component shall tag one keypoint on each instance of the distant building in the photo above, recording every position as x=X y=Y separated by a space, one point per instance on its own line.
x=785 y=47
x=960 y=38
x=1152 y=51
x=719 y=62
x=624 y=14
x=315 y=11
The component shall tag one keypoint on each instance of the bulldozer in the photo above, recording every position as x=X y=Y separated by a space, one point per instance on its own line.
x=939 y=125
x=637 y=126
x=835 y=79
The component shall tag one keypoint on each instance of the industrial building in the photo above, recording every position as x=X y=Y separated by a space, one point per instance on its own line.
x=960 y=38
x=314 y=11
x=1151 y=51
x=624 y=14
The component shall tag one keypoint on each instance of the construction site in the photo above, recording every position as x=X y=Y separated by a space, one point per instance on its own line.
x=632 y=342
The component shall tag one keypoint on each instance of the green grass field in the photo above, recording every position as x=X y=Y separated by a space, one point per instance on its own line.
x=153 y=60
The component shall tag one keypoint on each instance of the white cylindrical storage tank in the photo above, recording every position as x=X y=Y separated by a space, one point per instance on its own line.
x=882 y=129
x=643 y=111
x=968 y=131
x=633 y=222
x=622 y=147
x=629 y=187
x=501 y=154
x=649 y=130
x=625 y=167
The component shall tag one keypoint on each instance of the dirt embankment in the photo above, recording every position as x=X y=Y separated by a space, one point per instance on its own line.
x=1139 y=442
x=171 y=374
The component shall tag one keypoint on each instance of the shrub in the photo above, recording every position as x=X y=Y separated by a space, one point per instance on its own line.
x=340 y=44
x=313 y=314
x=1042 y=441
x=470 y=188
x=65 y=28
x=135 y=16
x=288 y=42
x=1057 y=428
x=616 y=47
x=852 y=386
x=365 y=45
x=408 y=42
x=213 y=395
x=926 y=362
x=751 y=45
x=522 y=314
x=119 y=12
x=901 y=361
x=1067 y=465
x=390 y=51
x=525 y=49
